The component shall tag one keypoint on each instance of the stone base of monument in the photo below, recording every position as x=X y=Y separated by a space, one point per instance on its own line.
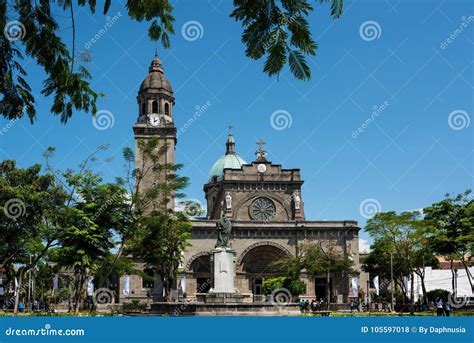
x=220 y=298
x=223 y=270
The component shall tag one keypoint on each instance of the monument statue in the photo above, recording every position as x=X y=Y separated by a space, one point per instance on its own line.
x=228 y=201
x=223 y=267
x=224 y=228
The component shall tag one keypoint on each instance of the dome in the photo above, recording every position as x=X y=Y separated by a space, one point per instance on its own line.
x=155 y=79
x=228 y=161
x=232 y=161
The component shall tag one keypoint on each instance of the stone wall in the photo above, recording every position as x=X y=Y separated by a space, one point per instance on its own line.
x=284 y=237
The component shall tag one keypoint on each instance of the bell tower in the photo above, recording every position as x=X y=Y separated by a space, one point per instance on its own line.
x=155 y=119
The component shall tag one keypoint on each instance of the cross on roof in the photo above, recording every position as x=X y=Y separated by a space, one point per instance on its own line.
x=230 y=127
x=261 y=153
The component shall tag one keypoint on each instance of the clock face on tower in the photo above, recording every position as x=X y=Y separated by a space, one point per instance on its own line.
x=154 y=120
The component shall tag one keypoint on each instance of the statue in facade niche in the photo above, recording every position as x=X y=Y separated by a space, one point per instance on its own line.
x=228 y=201
x=297 y=200
x=224 y=229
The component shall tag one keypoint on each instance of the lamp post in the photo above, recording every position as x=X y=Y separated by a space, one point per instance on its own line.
x=368 y=292
x=455 y=283
x=391 y=280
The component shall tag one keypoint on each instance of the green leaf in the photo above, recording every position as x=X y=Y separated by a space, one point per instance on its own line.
x=107 y=6
x=298 y=66
x=336 y=7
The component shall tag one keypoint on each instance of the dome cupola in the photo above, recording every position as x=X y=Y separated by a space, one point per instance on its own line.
x=228 y=161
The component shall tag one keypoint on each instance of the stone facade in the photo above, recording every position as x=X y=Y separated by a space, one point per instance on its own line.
x=265 y=205
x=257 y=246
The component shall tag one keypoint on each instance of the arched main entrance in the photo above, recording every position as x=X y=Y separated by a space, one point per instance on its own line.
x=200 y=268
x=257 y=262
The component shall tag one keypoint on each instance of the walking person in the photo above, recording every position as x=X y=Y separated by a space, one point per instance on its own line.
x=447 y=308
x=351 y=305
x=439 y=307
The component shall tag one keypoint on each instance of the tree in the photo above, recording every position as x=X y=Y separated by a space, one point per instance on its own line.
x=452 y=230
x=403 y=235
x=159 y=234
x=32 y=206
x=379 y=260
x=83 y=225
x=277 y=29
x=326 y=258
x=94 y=214
x=316 y=259
x=158 y=242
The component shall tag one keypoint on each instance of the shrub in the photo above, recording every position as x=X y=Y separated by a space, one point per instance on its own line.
x=295 y=286
x=62 y=295
x=437 y=293
x=134 y=305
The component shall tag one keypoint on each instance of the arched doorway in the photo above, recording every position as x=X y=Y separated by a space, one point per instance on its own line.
x=258 y=264
x=201 y=272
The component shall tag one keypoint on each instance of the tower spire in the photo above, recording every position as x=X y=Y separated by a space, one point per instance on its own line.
x=156 y=64
x=230 y=144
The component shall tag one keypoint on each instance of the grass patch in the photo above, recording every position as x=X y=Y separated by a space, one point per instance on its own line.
x=60 y=314
x=397 y=314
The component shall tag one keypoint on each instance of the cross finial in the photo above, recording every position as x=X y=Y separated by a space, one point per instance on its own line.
x=230 y=127
x=261 y=153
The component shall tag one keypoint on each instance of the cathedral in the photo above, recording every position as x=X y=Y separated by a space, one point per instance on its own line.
x=263 y=201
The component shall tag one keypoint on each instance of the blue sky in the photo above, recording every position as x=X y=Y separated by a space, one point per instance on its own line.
x=414 y=149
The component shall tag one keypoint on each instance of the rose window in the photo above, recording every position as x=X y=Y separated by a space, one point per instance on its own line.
x=262 y=209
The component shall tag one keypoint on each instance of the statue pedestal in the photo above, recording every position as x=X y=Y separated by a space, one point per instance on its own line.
x=223 y=270
x=223 y=273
